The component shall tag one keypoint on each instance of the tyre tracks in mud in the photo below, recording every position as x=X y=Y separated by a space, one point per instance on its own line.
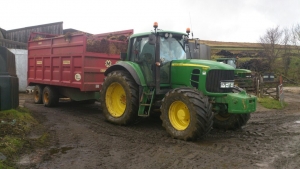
x=270 y=139
x=267 y=138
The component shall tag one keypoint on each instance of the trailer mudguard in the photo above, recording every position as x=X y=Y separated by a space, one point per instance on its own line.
x=131 y=67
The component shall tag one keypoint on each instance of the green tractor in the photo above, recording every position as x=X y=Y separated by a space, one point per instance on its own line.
x=193 y=95
x=243 y=77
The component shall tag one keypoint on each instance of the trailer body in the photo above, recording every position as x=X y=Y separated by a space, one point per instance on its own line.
x=65 y=63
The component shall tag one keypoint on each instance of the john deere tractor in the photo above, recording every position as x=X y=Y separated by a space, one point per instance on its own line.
x=193 y=95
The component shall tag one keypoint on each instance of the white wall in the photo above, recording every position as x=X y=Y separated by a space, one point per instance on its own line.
x=21 y=56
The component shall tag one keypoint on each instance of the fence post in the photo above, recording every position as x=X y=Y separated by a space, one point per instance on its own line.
x=261 y=86
x=277 y=92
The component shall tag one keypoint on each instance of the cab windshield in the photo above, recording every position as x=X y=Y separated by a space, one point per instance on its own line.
x=171 y=49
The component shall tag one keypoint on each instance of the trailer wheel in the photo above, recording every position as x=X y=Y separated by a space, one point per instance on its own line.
x=228 y=121
x=186 y=114
x=50 y=96
x=38 y=94
x=119 y=98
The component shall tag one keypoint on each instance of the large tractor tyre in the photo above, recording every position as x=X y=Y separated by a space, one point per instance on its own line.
x=38 y=94
x=186 y=114
x=228 y=121
x=119 y=98
x=50 y=96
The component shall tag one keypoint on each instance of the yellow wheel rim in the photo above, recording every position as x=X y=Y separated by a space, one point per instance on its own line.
x=179 y=115
x=115 y=99
x=36 y=95
x=46 y=97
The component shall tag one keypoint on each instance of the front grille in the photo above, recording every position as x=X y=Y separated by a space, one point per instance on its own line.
x=214 y=77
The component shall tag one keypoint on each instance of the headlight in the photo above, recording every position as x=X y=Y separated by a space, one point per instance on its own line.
x=227 y=84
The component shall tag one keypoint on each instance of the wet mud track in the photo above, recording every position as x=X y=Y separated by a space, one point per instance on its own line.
x=81 y=138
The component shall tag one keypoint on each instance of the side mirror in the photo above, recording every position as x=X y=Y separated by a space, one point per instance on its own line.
x=123 y=56
x=152 y=39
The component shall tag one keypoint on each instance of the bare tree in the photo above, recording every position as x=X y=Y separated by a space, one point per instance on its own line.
x=286 y=41
x=296 y=37
x=271 y=43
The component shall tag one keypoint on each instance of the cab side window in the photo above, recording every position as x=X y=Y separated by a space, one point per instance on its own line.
x=144 y=54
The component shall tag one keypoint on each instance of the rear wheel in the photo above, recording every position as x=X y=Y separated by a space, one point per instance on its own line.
x=38 y=94
x=229 y=121
x=186 y=114
x=119 y=98
x=50 y=96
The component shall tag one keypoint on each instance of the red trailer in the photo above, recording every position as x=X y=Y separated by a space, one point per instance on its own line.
x=71 y=65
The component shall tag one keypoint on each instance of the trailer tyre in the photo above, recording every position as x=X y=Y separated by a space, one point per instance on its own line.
x=38 y=94
x=228 y=121
x=119 y=98
x=50 y=96
x=186 y=114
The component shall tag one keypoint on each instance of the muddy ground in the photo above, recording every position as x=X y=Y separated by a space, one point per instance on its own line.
x=80 y=138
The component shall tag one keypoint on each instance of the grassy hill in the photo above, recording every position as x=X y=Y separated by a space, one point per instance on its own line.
x=247 y=51
x=220 y=44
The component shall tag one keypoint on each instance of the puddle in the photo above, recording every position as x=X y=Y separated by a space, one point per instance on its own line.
x=62 y=150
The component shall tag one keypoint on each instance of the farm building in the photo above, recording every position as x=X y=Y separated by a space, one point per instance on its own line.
x=2 y=33
x=16 y=41
x=17 y=38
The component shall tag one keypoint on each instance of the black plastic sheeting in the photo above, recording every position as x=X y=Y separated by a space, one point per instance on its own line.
x=9 y=82
x=7 y=62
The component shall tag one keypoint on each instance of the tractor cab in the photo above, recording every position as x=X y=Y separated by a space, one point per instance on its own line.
x=154 y=53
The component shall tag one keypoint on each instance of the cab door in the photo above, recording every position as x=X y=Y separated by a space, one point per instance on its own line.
x=143 y=53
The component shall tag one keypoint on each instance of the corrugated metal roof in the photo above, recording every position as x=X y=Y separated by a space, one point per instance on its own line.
x=22 y=34
x=36 y=26
x=2 y=33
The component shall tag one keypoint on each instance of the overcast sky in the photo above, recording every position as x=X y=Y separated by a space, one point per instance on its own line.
x=220 y=20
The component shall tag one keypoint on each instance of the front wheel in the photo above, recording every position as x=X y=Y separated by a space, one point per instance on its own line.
x=229 y=121
x=119 y=98
x=186 y=114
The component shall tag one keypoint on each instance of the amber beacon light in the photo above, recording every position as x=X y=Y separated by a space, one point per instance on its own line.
x=188 y=30
x=155 y=25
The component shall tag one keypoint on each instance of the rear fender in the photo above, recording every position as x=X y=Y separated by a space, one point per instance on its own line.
x=132 y=68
